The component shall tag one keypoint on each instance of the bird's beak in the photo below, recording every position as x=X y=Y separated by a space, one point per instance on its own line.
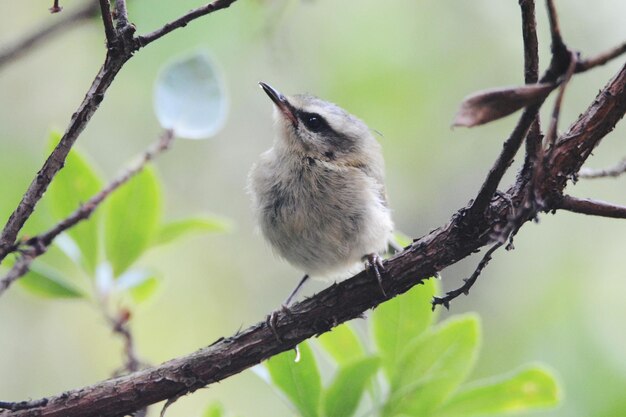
x=281 y=102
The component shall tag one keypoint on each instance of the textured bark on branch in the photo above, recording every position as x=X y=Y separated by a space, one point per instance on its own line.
x=442 y=247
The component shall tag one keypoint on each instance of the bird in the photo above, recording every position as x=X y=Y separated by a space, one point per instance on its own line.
x=318 y=194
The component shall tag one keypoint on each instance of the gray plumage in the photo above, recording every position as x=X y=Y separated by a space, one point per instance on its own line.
x=318 y=193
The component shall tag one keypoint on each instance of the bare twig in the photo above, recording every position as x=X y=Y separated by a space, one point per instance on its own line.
x=19 y=269
x=182 y=21
x=66 y=20
x=551 y=134
x=107 y=20
x=39 y=244
x=531 y=76
x=592 y=207
x=509 y=149
x=531 y=44
x=121 y=14
x=555 y=31
x=468 y=282
x=600 y=59
x=615 y=171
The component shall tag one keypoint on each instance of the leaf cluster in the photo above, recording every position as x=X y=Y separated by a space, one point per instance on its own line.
x=407 y=366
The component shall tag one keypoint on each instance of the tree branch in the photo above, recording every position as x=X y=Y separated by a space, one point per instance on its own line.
x=107 y=20
x=592 y=207
x=39 y=244
x=615 y=171
x=123 y=49
x=121 y=14
x=66 y=20
x=182 y=21
x=349 y=299
x=600 y=59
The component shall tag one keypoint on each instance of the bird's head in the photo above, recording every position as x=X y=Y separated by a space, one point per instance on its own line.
x=321 y=130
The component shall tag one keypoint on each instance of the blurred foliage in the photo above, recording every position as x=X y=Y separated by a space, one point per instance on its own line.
x=129 y=225
x=402 y=67
x=424 y=369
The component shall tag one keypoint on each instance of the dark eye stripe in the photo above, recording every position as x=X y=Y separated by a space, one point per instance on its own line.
x=314 y=122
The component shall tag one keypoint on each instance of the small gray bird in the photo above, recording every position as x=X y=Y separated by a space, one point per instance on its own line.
x=318 y=193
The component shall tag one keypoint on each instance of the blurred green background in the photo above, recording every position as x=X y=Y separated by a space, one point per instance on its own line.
x=401 y=66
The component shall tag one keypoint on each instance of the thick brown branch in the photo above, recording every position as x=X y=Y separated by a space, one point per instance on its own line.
x=592 y=207
x=340 y=302
x=66 y=20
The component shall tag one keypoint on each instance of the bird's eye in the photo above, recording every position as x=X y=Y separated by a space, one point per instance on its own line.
x=313 y=122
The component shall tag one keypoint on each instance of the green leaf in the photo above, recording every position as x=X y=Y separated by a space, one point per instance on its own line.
x=527 y=389
x=432 y=367
x=179 y=228
x=342 y=344
x=45 y=282
x=190 y=97
x=76 y=183
x=344 y=393
x=402 y=239
x=141 y=285
x=299 y=381
x=398 y=321
x=214 y=410
x=133 y=214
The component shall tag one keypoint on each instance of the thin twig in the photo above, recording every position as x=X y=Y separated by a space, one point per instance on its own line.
x=65 y=21
x=107 y=20
x=468 y=282
x=55 y=7
x=182 y=21
x=509 y=149
x=600 y=59
x=555 y=30
x=39 y=244
x=121 y=14
x=531 y=76
x=23 y=405
x=551 y=134
x=19 y=269
x=615 y=171
x=592 y=207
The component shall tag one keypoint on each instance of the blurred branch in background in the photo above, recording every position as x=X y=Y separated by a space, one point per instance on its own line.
x=65 y=21
x=615 y=171
x=38 y=245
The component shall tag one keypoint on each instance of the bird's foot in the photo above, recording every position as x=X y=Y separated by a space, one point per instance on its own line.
x=272 y=320
x=374 y=263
